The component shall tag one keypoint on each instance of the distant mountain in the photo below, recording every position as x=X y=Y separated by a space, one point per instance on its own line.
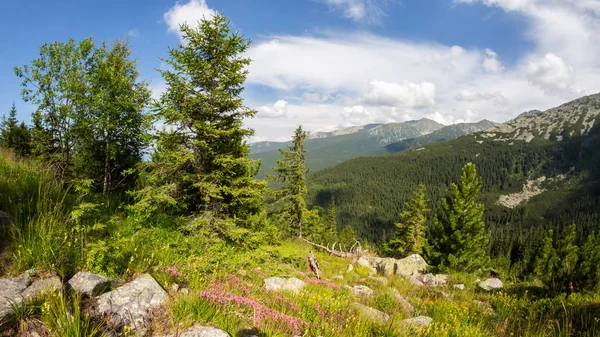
x=330 y=148
x=539 y=171
x=446 y=133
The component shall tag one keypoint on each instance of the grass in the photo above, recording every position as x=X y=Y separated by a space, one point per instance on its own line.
x=226 y=281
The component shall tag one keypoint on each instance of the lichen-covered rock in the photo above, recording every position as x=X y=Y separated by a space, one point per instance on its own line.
x=360 y=291
x=42 y=286
x=387 y=266
x=89 y=284
x=10 y=293
x=363 y=262
x=419 y=321
x=371 y=313
x=404 y=303
x=131 y=303
x=415 y=280
x=459 y=286
x=491 y=284
x=289 y=284
x=411 y=265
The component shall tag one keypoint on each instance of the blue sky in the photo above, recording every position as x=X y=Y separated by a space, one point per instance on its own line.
x=328 y=64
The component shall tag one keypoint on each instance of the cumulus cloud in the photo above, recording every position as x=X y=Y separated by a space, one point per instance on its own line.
x=472 y=95
x=363 y=11
x=277 y=110
x=551 y=74
x=406 y=94
x=491 y=63
x=190 y=13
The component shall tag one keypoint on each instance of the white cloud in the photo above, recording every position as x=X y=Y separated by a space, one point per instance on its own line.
x=551 y=74
x=277 y=110
x=190 y=13
x=133 y=33
x=491 y=63
x=406 y=94
x=363 y=11
x=472 y=95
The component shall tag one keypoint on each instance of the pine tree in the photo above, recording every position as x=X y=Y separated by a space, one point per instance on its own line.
x=410 y=235
x=568 y=255
x=347 y=237
x=201 y=165
x=458 y=237
x=15 y=136
x=291 y=171
x=546 y=261
x=331 y=232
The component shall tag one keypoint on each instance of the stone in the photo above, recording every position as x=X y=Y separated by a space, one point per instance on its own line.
x=184 y=291
x=441 y=279
x=292 y=284
x=419 y=321
x=387 y=266
x=10 y=293
x=415 y=280
x=381 y=280
x=363 y=262
x=459 y=286
x=174 y=287
x=350 y=268
x=89 y=284
x=338 y=277
x=477 y=281
x=404 y=303
x=428 y=279
x=131 y=303
x=491 y=284
x=371 y=313
x=42 y=286
x=411 y=265
x=202 y=332
x=360 y=291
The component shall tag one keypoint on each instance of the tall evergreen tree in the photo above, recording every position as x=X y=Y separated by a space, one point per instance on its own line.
x=568 y=255
x=410 y=235
x=15 y=136
x=201 y=162
x=458 y=237
x=291 y=170
x=546 y=260
x=331 y=231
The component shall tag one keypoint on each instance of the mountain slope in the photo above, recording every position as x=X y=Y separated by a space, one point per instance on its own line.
x=332 y=148
x=370 y=191
x=446 y=133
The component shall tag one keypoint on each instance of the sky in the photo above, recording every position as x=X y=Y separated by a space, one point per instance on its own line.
x=329 y=64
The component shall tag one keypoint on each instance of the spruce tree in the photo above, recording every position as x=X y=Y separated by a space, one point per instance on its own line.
x=546 y=260
x=15 y=136
x=291 y=170
x=331 y=232
x=201 y=163
x=458 y=237
x=568 y=254
x=347 y=237
x=410 y=234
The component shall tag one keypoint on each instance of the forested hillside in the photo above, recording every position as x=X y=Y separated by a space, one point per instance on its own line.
x=370 y=192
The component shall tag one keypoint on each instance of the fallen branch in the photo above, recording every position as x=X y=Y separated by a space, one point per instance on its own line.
x=330 y=251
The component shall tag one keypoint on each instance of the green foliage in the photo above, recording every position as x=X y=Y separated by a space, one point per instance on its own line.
x=458 y=237
x=291 y=170
x=347 y=237
x=410 y=235
x=15 y=136
x=64 y=317
x=200 y=164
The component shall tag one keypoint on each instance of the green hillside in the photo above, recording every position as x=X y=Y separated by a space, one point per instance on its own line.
x=371 y=191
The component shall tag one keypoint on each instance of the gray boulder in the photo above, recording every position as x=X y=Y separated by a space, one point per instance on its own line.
x=10 y=293
x=287 y=284
x=416 y=322
x=131 y=303
x=411 y=265
x=363 y=262
x=360 y=291
x=459 y=286
x=387 y=266
x=89 y=284
x=404 y=303
x=41 y=287
x=202 y=332
x=371 y=313
x=491 y=284
x=433 y=280
x=415 y=280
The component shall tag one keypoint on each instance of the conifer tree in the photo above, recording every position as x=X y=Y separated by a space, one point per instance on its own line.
x=347 y=237
x=568 y=254
x=458 y=237
x=291 y=170
x=15 y=136
x=546 y=260
x=331 y=232
x=410 y=235
x=201 y=163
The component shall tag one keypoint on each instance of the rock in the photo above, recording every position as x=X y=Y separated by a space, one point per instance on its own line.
x=43 y=286
x=363 y=262
x=338 y=277
x=406 y=306
x=130 y=304
x=202 y=332
x=387 y=266
x=371 y=313
x=459 y=286
x=491 y=284
x=381 y=280
x=10 y=292
x=433 y=280
x=441 y=279
x=184 y=291
x=360 y=291
x=89 y=284
x=411 y=265
x=373 y=271
x=279 y=283
x=416 y=322
x=414 y=280
x=350 y=268
x=477 y=281
x=174 y=287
